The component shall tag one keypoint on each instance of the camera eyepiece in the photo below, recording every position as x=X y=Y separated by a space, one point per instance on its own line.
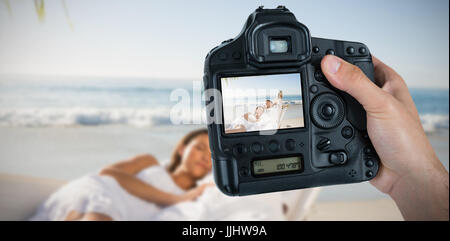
x=276 y=38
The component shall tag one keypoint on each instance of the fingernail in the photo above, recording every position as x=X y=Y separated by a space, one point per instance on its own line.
x=332 y=64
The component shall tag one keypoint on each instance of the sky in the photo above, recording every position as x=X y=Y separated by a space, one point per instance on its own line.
x=263 y=85
x=168 y=40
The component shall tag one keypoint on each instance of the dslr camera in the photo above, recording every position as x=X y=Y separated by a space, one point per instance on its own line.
x=274 y=121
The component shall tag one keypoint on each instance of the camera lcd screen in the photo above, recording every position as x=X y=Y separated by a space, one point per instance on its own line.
x=262 y=102
x=278 y=165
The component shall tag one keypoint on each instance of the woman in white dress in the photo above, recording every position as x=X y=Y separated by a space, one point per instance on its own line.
x=280 y=107
x=134 y=189
x=279 y=100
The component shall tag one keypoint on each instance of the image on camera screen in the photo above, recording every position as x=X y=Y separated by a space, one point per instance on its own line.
x=262 y=102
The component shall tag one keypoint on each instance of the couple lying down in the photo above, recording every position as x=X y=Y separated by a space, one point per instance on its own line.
x=142 y=189
x=267 y=117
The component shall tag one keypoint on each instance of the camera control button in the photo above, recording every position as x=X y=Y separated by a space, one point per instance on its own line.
x=315 y=49
x=318 y=75
x=323 y=144
x=313 y=89
x=369 y=174
x=362 y=50
x=347 y=132
x=350 y=50
x=327 y=111
x=370 y=163
x=257 y=147
x=331 y=51
x=243 y=171
x=239 y=149
x=274 y=146
x=338 y=158
x=290 y=144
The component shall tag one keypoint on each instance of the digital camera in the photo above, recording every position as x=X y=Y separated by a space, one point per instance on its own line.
x=274 y=121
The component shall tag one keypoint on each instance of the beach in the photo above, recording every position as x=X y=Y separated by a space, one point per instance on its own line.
x=293 y=117
x=68 y=152
x=54 y=132
x=65 y=153
x=36 y=161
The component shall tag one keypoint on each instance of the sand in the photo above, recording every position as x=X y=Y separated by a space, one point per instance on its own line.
x=21 y=195
x=367 y=210
x=292 y=123
x=293 y=117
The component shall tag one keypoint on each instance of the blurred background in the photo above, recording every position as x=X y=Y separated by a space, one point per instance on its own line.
x=86 y=83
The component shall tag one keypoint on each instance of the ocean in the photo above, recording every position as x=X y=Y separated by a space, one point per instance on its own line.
x=137 y=103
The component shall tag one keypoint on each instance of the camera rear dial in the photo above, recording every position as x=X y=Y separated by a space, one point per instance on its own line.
x=327 y=111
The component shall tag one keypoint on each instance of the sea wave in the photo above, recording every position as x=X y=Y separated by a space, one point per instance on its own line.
x=432 y=122
x=47 y=117
x=138 y=117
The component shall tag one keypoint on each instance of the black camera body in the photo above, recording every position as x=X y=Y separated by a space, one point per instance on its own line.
x=325 y=140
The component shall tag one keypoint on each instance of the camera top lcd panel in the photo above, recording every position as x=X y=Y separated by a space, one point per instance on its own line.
x=274 y=121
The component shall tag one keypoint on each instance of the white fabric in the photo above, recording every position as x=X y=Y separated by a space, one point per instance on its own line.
x=213 y=205
x=94 y=193
x=269 y=120
x=103 y=194
x=241 y=121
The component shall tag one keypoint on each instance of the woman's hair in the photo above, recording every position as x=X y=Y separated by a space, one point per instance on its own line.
x=175 y=159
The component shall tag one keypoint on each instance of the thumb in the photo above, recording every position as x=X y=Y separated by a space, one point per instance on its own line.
x=349 y=78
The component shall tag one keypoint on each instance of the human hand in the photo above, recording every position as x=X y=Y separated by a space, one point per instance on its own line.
x=194 y=193
x=410 y=171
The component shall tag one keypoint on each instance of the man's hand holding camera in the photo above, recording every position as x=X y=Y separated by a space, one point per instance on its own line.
x=410 y=172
